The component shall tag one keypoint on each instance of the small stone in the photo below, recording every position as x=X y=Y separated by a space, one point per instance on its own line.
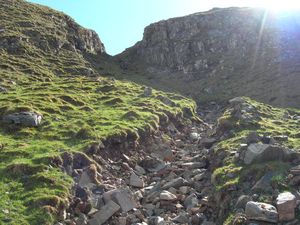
x=252 y=137
x=105 y=213
x=139 y=170
x=122 y=197
x=261 y=212
x=295 y=181
x=281 y=138
x=3 y=90
x=193 y=165
x=147 y=92
x=85 y=180
x=264 y=183
x=295 y=170
x=82 y=220
x=242 y=201
x=207 y=142
x=157 y=220
x=182 y=218
x=153 y=164
x=184 y=189
x=122 y=220
x=194 y=136
x=176 y=183
x=191 y=201
x=168 y=196
x=136 y=181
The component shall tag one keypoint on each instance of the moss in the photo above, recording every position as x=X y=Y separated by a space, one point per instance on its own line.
x=227 y=176
x=268 y=120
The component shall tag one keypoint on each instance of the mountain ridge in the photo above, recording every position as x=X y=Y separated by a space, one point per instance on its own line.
x=221 y=54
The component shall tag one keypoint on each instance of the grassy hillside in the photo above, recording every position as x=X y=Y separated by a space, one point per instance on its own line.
x=41 y=68
x=231 y=175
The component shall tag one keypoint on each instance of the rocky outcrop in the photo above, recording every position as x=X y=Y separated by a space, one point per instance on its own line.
x=222 y=53
x=61 y=33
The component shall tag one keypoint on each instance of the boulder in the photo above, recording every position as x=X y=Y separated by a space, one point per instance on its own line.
x=286 y=204
x=105 y=213
x=257 y=153
x=26 y=119
x=261 y=212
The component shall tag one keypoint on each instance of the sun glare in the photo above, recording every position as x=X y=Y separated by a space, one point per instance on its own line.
x=279 y=5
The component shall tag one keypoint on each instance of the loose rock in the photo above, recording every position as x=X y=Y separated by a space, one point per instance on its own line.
x=261 y=212
x=105 y=213
x=286 y=204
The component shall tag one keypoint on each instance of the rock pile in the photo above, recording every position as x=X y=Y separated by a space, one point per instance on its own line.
x=172 y=182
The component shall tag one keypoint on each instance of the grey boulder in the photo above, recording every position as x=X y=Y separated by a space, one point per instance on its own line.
x=261 y=212
x=257 y=153
x=26 y=119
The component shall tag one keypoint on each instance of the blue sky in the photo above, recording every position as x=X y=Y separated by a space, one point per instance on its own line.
x=120 y=23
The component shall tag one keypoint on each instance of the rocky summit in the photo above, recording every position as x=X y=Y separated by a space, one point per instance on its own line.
x=79 y=146
x=221 y=54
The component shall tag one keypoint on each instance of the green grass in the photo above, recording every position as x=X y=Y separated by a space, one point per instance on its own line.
x=268 y=120
x=75 y=113
x=271 y=121
x=77 y=110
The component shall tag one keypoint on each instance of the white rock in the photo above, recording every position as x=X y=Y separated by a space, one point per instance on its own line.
x=168 y=196
x=194 y=136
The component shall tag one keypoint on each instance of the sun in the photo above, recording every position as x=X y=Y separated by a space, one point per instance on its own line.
x=279 y=5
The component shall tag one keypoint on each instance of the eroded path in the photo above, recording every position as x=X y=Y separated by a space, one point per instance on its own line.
x=165 y=181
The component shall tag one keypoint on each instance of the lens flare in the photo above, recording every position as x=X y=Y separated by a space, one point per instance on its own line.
x=279 y=5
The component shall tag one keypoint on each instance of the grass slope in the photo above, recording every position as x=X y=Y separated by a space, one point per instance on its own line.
x=233 y=174
x=42 y=72
x=76 y=112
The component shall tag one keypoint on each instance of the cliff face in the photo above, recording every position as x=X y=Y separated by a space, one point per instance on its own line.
x=42 y=43
x=24 y=24
x=221 y=54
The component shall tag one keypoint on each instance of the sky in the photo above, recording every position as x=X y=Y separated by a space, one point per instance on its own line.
x=120 y=23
